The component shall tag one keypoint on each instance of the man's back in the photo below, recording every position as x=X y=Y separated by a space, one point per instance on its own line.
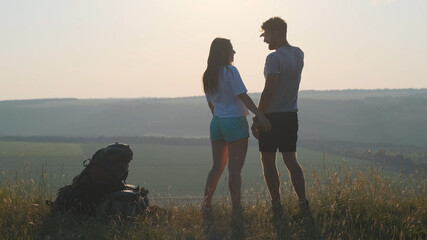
x=288 y=62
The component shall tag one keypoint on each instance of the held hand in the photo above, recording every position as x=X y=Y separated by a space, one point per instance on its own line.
x=264 y=123
x=255 y=129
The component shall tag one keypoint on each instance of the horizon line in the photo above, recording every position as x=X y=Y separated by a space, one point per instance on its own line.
x=192 y=96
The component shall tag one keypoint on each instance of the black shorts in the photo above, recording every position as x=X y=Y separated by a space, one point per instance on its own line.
x=283 y=134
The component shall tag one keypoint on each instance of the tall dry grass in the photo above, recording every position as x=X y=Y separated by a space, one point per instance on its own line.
x=346 y=203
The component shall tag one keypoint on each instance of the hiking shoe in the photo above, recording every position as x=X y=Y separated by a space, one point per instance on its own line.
x=210 y=226
x=237 y=230
x=277 y=210
x=207 y=213
x=279 y=221
x=211 y=232
x=304 y=208
x=304 y=205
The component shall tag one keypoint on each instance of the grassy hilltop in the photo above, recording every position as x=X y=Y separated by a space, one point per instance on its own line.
x=346 y=204
x=350 y=198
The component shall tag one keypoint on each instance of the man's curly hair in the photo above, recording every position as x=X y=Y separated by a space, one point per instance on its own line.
x=275 y=24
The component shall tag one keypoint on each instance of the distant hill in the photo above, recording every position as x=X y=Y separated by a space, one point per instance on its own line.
x=366 y=116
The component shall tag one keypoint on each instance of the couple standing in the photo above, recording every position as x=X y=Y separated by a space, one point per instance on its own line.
x=275 y=123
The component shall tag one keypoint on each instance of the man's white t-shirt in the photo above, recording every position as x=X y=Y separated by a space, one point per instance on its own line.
x=288 y=62
x=226 y=101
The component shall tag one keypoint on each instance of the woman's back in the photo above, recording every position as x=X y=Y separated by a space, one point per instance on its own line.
x=225 y=100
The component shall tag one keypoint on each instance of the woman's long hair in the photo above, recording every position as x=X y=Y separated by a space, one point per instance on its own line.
x=219 y=57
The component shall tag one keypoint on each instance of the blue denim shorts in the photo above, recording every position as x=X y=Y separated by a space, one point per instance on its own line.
x=228 y=129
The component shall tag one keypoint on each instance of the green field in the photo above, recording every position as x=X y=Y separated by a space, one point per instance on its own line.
x=163 y=169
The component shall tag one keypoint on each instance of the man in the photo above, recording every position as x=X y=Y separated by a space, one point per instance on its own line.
x=278 y=101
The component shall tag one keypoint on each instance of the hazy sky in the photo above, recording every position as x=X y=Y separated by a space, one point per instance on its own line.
x=139 y=48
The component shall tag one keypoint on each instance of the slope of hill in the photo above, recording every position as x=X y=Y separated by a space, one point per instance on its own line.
x=367 y=116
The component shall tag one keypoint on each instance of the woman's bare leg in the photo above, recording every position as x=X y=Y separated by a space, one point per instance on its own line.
x=220 y=156
x=237 y=153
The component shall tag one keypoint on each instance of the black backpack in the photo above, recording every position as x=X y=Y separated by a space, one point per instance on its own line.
x=102 y=181
x=129 y=202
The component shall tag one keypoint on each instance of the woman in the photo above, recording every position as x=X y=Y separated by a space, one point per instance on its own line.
x=228 y=100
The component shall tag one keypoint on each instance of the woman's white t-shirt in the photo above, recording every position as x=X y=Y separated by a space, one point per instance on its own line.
x=225 y=100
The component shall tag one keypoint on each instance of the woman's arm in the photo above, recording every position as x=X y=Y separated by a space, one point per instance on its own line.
x=264 y=122
x=249 y=103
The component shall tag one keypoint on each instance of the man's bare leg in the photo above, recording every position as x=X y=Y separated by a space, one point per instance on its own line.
x=271 y=176
x=297 y=176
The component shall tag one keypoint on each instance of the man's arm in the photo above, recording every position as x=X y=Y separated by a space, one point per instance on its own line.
x=211 y=107
x=271 y=84
x=267 y=95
